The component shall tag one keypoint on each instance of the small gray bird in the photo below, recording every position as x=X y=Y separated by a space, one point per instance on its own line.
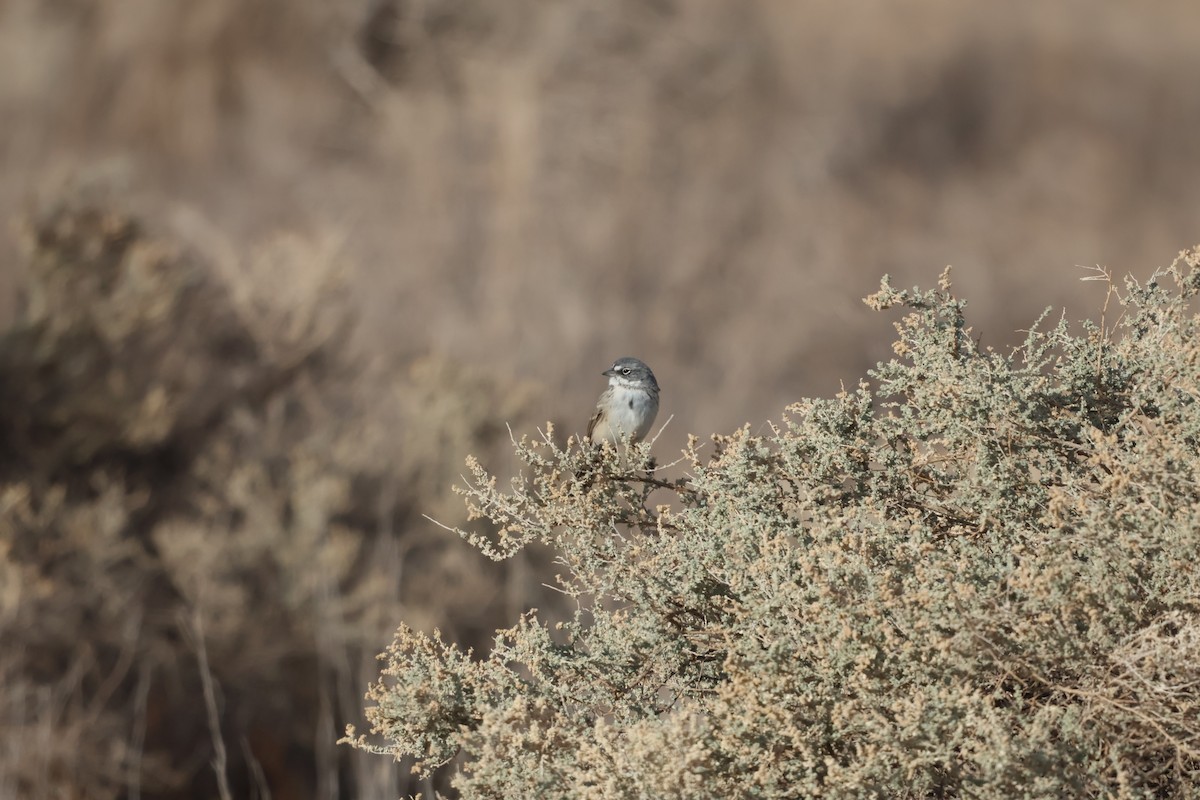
x=628 y=406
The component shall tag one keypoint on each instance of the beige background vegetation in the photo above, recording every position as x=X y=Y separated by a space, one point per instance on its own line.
x=538 y=187
x=503 y=197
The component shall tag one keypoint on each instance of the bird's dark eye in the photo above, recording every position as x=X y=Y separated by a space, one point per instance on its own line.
x=625 y=371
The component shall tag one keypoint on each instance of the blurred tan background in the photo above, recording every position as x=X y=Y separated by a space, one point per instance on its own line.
x=539 y=187
x=501 y=197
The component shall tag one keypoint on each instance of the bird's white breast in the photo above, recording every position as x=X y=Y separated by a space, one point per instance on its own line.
x=632 y=412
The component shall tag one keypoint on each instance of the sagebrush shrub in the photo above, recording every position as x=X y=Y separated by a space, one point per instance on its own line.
x=975 y=575
x=205 y=500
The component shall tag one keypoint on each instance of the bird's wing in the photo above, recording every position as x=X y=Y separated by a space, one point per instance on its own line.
x=594 y=420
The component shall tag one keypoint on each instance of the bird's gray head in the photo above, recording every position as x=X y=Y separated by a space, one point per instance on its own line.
x=631 y=373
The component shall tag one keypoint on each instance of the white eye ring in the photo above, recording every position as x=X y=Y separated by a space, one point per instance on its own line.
x=625 y=371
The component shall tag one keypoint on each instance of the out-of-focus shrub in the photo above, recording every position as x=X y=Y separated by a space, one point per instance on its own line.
x=975 y=575
x=205 y=499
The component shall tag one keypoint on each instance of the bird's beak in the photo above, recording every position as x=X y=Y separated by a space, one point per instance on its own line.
x=608 y=373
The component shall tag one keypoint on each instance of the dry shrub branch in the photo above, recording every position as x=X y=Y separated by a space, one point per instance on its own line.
x=974 y=575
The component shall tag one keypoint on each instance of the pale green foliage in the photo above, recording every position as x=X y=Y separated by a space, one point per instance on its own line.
x=974 y=576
